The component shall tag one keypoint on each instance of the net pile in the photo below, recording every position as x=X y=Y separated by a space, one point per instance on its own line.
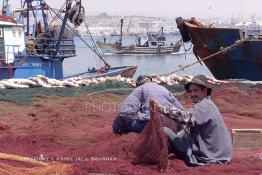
x=151 y=146
x=17 y=165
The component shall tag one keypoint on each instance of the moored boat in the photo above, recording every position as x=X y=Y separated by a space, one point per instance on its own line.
x=123 y=71
x=27 y=51
x=154 y=44
x=244 y=61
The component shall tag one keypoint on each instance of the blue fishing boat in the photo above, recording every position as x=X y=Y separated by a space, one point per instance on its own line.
x=32 y=45
x=244 y=61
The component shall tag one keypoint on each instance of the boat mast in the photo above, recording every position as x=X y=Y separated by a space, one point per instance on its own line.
x=242 y=15
x=27 y=7
x=6 y=8
x=42 y=4
x=68 y=7
x=162 y=31
x=121 y=31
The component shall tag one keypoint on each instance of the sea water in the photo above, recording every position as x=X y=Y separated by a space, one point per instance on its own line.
x=157 y=64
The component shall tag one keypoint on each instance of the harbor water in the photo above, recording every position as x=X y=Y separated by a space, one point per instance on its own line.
x=157 y=64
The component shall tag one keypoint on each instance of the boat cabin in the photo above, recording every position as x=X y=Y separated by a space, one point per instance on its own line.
x=12 y=40
x=152 y=41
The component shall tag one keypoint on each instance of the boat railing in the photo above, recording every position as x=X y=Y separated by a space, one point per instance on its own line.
x=4 y=64
x=19 y=61
x=8 y=54
x=47 y=46
x=12 y=55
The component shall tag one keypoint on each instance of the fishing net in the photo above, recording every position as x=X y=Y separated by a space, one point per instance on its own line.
x=26 y=96
x=17 y=165
x=57 y=169
x=151 y=146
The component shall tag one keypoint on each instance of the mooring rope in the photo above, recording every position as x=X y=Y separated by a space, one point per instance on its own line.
x=221 y=51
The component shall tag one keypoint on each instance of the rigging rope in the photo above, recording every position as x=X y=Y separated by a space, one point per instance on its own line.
x=58 y=14
x=92 y=39
x=97 y=53
x=186 y=50
x=221 y=51
x=79 y=10
x=95 y=45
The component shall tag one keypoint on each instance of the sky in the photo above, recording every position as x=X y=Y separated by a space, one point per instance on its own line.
x=170 y=8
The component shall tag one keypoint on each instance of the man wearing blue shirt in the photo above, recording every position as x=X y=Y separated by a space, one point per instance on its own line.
x=134 y=111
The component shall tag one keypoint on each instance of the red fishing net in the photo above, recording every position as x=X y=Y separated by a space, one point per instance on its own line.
x=52 y=168
x=151 y=146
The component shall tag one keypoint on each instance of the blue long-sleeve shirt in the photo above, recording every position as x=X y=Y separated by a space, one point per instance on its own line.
x=137 y=103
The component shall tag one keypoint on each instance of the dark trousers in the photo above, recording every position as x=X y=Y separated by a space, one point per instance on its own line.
x=125 y=125
x=178 y=144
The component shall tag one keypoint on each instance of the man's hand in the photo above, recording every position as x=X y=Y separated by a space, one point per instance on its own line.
x=158 y=106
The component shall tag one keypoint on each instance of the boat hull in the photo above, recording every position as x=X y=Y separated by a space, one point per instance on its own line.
x=31 y=66
x=37 y=65
x=242 y=62
x=122 y=50
x=123 y=71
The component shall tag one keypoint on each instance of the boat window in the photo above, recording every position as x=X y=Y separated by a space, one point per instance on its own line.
x=161 y=44
x=1 y=32
x=153 y=43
